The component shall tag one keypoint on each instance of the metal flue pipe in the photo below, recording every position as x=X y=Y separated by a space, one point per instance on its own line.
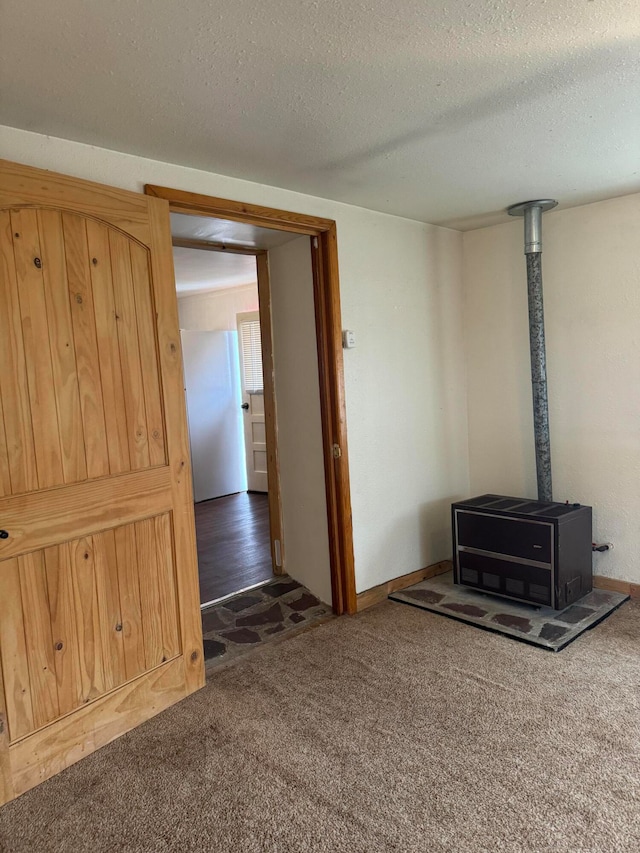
x=532 y=212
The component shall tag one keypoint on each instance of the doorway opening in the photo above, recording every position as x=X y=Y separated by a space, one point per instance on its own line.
x=319 y=237
x=230 y=407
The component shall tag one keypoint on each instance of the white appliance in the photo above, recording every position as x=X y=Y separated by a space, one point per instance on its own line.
x=214 y=398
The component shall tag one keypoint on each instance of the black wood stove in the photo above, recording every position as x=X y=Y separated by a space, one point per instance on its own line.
x=533 y=551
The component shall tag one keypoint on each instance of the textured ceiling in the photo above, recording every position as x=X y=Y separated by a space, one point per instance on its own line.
x=201 y=271
x=227 y=232
x=440 y=112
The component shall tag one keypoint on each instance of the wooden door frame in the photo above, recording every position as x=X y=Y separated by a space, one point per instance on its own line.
x=326 y=288
x=274 y=495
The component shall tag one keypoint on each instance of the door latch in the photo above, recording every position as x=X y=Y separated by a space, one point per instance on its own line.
x=337 y=452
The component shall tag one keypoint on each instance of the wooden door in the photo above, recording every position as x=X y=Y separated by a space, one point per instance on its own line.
x=252 y=382
x=99 y=605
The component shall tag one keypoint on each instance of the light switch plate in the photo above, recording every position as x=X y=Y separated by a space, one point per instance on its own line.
x=348 y=339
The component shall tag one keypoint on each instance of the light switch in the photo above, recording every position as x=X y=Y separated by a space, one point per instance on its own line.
x=348 y=339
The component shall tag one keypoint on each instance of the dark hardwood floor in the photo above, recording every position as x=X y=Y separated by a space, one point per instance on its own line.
x=233 y=544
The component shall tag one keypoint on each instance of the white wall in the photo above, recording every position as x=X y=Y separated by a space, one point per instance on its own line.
x=591 y=274
x=406 y=395
x=405 y=383
x=295 y=360
x=216 y=311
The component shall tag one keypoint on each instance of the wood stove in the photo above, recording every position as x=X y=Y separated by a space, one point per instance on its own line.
x=533 y=551
x=539 y=551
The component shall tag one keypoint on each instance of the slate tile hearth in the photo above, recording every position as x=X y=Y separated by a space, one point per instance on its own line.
x=245 y=621
x=540 y=626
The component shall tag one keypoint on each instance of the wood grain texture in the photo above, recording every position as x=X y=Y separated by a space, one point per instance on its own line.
x=233 y=544
x=147 y=343
x=38 y=639
x=88 y=618
x=129 y=351
x=25 y=185
x=13 y=372
x=324 y=260
x=51 y=517
x=13 y=650
x=167 y=587
x=615 y=585
x=64 y=626
x=87 y=358
x=82 y=618
x=71 y=738
x=147 y=565
x=108 y=592
x=108 y=349
x=35 y=334
x=63 y=351
x=5 y=475
x=319 y=271
x=7 y=791
x=130 y=604
x=253 y=214
x=270 y=414
x=379 y=593
x=184 y=539
x=88 y=607
x=336 y=392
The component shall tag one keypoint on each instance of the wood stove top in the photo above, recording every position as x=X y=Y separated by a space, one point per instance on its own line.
x=521 y=506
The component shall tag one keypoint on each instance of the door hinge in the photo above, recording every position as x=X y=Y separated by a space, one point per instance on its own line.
x=337 y=452
x=315 y=242
x=277 y=552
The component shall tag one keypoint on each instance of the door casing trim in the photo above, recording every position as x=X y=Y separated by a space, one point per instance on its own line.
x=326 y=287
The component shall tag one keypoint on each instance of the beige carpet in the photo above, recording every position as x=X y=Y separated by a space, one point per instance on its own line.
x=396 y=730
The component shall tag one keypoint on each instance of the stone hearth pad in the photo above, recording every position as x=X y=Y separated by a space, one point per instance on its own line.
x=540 y=626
x=247 y=620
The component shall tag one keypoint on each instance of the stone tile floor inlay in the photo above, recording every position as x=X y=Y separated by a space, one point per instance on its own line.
x=541 y=626
x=243 y=622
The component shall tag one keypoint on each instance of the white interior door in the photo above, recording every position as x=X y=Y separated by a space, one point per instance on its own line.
x=250 y=348
x=212 y=380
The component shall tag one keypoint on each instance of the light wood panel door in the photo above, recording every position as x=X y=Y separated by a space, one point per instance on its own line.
x=99 y=604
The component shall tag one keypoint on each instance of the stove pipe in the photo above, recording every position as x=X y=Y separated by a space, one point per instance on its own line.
x=532 y=212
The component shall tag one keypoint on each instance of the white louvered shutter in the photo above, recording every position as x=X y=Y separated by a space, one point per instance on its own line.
x=251 y=349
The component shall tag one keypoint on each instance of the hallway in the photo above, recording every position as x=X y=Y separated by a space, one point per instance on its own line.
x=233 y=544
